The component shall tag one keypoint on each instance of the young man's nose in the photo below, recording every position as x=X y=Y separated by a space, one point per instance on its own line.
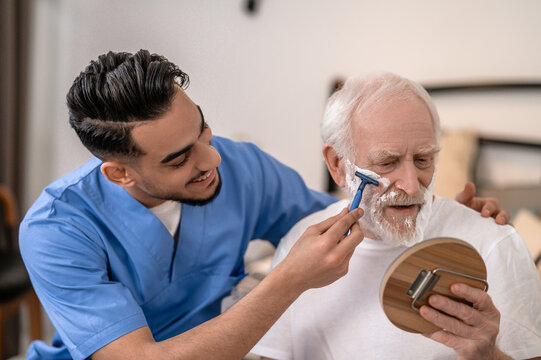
x=207 y=157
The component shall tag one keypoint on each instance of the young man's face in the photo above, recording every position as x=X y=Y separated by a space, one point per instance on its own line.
x=396 y=141
x=179 y=162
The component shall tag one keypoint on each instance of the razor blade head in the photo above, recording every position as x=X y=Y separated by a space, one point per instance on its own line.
x=366 y=179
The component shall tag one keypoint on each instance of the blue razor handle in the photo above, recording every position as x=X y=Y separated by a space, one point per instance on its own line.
x=359 y=195
x=357 y=198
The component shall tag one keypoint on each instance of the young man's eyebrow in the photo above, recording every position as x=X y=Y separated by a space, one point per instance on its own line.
x=176 y=154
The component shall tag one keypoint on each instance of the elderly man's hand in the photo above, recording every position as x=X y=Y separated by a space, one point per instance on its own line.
x=486 y=206
x=473 y=330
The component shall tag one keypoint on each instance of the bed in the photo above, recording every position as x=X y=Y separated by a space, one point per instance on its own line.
x=492 y=136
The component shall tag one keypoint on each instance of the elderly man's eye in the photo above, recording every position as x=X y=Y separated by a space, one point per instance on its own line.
x=423 y=162
x=388 y=162
x=386 y=166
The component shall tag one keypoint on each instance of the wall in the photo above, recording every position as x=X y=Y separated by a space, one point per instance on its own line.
x=265 y=78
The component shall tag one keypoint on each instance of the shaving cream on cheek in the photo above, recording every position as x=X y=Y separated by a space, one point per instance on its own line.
x=353 y=182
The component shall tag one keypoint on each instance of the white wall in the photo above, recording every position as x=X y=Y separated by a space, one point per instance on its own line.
x=265 y=78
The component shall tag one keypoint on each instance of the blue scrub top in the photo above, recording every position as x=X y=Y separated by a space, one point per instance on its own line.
x=102 y=264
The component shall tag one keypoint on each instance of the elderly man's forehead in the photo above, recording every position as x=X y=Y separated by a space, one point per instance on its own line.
x=373 y=107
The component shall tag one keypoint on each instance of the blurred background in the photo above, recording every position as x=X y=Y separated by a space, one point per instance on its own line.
x=262 y=70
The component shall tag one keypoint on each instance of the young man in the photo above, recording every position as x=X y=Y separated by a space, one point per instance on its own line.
x=132 y=253
x=387 y=127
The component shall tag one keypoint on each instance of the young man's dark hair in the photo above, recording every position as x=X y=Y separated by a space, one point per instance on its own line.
x=117 y=91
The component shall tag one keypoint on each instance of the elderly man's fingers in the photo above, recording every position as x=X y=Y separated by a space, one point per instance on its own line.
x=459 y=310
x=479 y=298
x=446 y=338
x=446 y=322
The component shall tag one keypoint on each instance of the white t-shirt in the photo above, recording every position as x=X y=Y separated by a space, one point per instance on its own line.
x=345 y=319
x=169 y=214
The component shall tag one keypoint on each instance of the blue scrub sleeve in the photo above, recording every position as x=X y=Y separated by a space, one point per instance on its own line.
x=67 y=271
x=284 y=198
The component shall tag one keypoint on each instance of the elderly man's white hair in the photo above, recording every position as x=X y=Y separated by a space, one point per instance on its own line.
x=357 y=96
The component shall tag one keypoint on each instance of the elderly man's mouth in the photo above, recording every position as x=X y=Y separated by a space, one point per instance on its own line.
x=403 y=206
x=403 y=210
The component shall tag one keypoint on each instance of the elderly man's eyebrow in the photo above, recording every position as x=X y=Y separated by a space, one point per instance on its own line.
x=428 y=150
x=382 y=156
x=177 y=153
x=385 y=155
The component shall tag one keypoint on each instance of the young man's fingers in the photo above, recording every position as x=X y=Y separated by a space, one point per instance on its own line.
x=466 y=195
x=324 y=225
x=338 y=229
x=487 y=210
x=355 y=237
x=502 y=218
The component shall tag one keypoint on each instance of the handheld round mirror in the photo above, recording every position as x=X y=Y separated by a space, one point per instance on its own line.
x=429 y=267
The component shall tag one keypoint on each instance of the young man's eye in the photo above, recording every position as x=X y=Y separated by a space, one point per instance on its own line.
x=183 y=161
x=179 y=164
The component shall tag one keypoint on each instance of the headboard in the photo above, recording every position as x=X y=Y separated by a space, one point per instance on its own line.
x=504 y=119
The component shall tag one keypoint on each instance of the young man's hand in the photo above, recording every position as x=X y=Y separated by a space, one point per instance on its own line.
x=322 y=253
x=486 y=206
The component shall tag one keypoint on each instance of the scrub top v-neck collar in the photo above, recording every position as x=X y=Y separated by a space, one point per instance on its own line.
x=133 y=219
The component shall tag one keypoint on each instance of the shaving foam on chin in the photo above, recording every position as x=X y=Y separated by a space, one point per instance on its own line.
x=374 y=222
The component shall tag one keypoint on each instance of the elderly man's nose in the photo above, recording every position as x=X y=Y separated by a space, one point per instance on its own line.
x=408 y=180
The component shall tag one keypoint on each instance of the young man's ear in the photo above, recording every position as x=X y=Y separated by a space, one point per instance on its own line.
x=335 y=165
x=117 y=173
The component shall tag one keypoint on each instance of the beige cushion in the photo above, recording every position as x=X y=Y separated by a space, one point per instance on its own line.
x=529 y=227
x=456 y=159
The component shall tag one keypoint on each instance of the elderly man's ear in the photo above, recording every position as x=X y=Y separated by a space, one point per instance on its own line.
x=335 y=164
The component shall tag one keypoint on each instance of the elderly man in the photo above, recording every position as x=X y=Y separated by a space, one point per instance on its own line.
x=387 y=127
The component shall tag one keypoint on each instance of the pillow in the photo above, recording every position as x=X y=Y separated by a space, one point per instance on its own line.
x=529 y=227
x=455 y=162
